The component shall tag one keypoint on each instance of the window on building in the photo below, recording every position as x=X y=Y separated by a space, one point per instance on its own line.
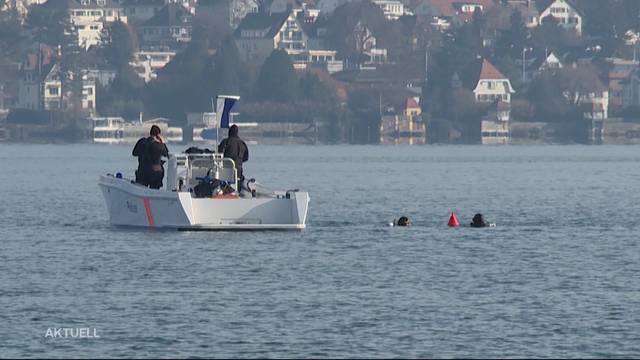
x=53 y=91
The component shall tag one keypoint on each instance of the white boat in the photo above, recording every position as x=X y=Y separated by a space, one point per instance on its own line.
x=115 y=130
x=180 y=206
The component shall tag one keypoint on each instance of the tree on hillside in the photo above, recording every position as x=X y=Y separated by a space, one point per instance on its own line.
x=312 y=89
x=50 y=25
x=277 y=81
x=124 y=95
x=230 y=74
x=341 y=24
x=12 y=34
x=118 y=45
x=556 y=94
x=511 y=42
x=185 y=84
x=549 y=35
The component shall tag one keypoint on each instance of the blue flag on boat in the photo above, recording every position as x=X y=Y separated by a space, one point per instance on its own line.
x=223 y=109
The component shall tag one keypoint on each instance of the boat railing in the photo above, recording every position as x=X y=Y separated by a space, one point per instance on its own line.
x=183 y=170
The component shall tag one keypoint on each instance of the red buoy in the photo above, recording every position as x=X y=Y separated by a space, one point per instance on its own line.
x=453 y=222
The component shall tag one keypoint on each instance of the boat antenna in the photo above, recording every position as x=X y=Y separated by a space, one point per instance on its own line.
x=213 y=112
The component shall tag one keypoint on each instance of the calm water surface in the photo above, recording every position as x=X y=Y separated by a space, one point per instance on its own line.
x=558 y=277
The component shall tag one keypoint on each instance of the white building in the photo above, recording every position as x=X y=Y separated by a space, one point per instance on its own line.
x=259 y=34
x=88 y=99
x=172 y=25
x=89 y=17
x=492 y=85
x=392 y=9
x=596 y=104
x=147 y=63
x=494 y=128
x=33 y=72
x=564 y=11
x=53 y=96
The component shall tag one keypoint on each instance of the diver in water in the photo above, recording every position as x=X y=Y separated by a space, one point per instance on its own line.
x=402 y=221
x=478 y=221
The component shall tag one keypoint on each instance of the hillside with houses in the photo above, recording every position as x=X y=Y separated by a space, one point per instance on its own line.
x=339 y=71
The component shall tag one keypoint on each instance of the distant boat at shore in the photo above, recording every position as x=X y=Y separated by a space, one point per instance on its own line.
x=116 y=130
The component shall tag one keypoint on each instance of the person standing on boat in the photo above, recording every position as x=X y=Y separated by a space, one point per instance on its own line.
x=138 y=151
x=236 y=149
x=151 y=164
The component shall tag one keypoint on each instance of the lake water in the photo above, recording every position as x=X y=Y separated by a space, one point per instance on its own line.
x=558 y=277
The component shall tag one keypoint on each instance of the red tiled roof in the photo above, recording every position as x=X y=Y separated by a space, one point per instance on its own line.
x=31 y=62
x=411 y=103
x=488 y=71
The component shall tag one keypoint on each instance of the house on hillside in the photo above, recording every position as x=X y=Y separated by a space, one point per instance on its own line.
x=138 y=11
x=392 y=9
x=146 y=63
x=405 y=128
x=32 y=84
x=170 y=27
x=528 y=11
x=363 y=41
x=52 y=92
x=491 y=85
x=492 y=89
x=443 y=14
x=631 y=89
x=538 y=65
x=260 y=33
x=230 y=12
x=564 y=11
x=44 y=86
x=494 y=127
x=89 y=17
x=88 y=95
x=619 y=77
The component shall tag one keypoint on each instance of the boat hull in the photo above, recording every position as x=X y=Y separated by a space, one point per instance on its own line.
x=131 y=204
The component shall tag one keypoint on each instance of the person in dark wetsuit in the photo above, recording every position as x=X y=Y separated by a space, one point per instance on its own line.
x=403 y=221
x=151 y=164
x=138 y=151
x=478 y=221
x=235 y=148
